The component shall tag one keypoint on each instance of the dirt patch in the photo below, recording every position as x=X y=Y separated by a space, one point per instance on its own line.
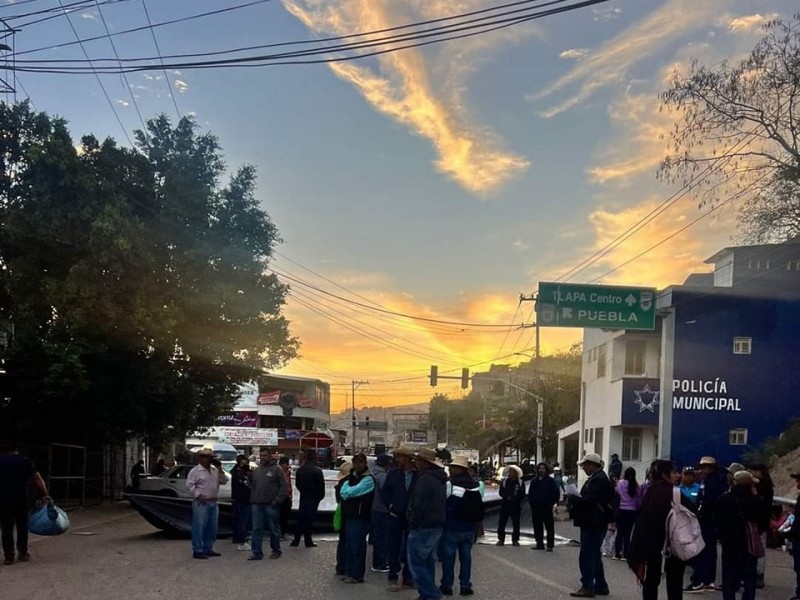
x=785 y=486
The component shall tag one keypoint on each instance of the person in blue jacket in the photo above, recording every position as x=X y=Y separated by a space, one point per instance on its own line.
x=543 y=495
x=512 y=492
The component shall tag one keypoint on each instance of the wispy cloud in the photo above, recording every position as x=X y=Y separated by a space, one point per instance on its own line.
x=91 y=16
x=520 y=245
x=180 y=85
x=750 y=23
x=610 y=64
x=123 y=103
x=606 y=13
x=574 y=53
x=425 y=92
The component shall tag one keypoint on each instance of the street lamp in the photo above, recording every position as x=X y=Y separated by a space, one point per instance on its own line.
x=539 y=414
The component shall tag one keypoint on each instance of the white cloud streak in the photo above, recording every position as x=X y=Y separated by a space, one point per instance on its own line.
x=424 y=92
x=609 y=65
x=750 y=23
x=574 y=53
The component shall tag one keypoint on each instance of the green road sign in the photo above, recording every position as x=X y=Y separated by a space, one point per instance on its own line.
x=596 y=306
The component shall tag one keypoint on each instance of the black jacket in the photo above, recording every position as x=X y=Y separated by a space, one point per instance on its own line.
x=650 y=531
x=733 y=511
x=712 y=487
x=512 y=491
x=594 y=506
x=310 y=482
x=426 y=499
x=543 y=492
x=241 y=483
x=394 y=492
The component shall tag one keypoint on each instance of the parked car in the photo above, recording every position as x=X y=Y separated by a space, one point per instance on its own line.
x=172 y=483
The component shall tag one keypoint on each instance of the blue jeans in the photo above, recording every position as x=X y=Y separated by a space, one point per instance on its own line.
x=242 y=517
x=590 y=560
x=204 y=526
x=422 y=544
x=705 y=563
x=265 y=515
x=456 y=542
x=380 y=540
x=355 y=548
x=397 y=551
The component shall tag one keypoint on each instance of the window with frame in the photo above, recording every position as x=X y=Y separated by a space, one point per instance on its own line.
x=634 y=357
x=737 y=437
x=588 y=436
x=631 y=444
x=601 y=360
x=742 y=345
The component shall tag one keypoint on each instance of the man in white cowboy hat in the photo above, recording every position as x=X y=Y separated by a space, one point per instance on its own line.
x=203 y=482
x=426 y=517
x=713 y=485
x=512 y=493
x=395 y=496
x=463 y=509
x=592 y=511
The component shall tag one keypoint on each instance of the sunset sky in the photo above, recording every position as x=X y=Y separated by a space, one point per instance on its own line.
x=437 y=182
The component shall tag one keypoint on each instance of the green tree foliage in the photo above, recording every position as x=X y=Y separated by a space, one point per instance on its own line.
x=738 y=134
x=135 y=281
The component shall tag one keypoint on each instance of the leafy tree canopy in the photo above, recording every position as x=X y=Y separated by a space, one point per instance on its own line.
x=133 y=280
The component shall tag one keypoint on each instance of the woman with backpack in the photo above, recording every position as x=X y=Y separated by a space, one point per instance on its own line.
x=629 y=500
x=649 y=535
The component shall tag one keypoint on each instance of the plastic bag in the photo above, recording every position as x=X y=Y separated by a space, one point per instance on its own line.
x=337 y=518
x=48 y=520
x=608 y=542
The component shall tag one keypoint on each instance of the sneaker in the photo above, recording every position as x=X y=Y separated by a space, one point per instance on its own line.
x=26 y=557
x=379 y=569
x=244 y=547
x=446 y=591
x=500 y=543
x=211 y=553
x=466 y=592
x=254 y=557
x=275 y=555
x=582 y=592
x=694 y=589
x=10 y=561
x=515 y=543
x=197 y=555
x=712 y=587
x=602 y=592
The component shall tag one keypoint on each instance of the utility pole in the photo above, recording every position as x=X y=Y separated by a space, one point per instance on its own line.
x=533 y=298
x=355 y=386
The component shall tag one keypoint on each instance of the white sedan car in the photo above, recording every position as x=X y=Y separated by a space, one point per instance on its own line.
x=172 y=483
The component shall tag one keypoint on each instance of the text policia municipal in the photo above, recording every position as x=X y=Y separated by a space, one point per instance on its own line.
x=711 y=398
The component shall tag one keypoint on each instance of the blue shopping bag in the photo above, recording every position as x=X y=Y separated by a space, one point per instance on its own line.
x=48 y=520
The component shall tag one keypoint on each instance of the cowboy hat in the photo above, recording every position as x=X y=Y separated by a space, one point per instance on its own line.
x=344 y=470
x=460 y=461
x=205 y=452
x=404 y=450
x=516 y=470
x=592 y=457
x=708 y=460
x=429 y=456
x=736 y=467
x=743 y=478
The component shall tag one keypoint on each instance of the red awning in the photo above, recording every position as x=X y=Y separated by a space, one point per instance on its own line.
x=316 y=439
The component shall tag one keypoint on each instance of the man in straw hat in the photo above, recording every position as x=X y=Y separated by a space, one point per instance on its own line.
x=426 y=517
x=714 y=484
x=203 y=482
x=592 y=513
x=459 y=528
x=395 y=496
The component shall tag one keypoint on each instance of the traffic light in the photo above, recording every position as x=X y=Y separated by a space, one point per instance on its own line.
x=366 y=425
x=434 y=375
x=464 y=379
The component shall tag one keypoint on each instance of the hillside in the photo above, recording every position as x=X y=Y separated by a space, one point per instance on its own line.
x=783 y=467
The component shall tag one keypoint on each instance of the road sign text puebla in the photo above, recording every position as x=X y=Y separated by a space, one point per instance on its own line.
x=596 y=306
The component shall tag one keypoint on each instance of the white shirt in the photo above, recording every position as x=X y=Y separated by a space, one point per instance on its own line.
x=205 y=482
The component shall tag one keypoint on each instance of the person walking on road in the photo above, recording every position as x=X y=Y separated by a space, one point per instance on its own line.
x=426 y=518
x=543 y=495
x=310 y=483
x=738 y=514
x=512 y=492
x=269 y=491
x=399 y=481
x=592 y=512
x=629 y=499
x=357 y=493
x=286 y=506
x=646 y=551
x=714 y=484
x=17 y=472
x=241 y=484
x=203 y=483
x=459 y=532
x=380 y=517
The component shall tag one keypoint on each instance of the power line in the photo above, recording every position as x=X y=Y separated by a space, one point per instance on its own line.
x=124 y=76
x=99 y=81
x=161 y=60
x=69 y=9
x=281 y=58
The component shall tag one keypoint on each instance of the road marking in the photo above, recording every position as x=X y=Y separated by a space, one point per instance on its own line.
x=544 y=580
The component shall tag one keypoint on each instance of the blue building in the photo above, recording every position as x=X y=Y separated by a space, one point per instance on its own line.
x=720 y=373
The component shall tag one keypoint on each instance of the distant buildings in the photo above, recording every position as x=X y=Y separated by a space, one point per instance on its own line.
x=718 y=375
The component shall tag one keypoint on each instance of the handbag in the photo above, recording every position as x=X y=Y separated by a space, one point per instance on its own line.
x=337 y=518
x=755 y=545
x=48 y=520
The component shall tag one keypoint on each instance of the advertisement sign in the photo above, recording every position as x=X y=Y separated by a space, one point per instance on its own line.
x=240 y=418
x=418 y=436
x=248 y=436
x=248 y=395
x=269 y=398
x=303 y=401
x=596 y=306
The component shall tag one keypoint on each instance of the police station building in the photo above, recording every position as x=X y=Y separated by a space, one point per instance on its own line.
x=719 y=373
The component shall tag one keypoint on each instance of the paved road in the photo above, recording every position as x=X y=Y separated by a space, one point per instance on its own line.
x=111 y=553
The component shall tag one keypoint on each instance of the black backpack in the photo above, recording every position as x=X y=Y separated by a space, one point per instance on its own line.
x=470 y=509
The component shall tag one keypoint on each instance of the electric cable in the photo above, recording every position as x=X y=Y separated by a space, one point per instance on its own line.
x=170 y=86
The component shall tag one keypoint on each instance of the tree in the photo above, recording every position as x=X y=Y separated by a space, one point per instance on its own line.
x=738 y=133
x=137 y=284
